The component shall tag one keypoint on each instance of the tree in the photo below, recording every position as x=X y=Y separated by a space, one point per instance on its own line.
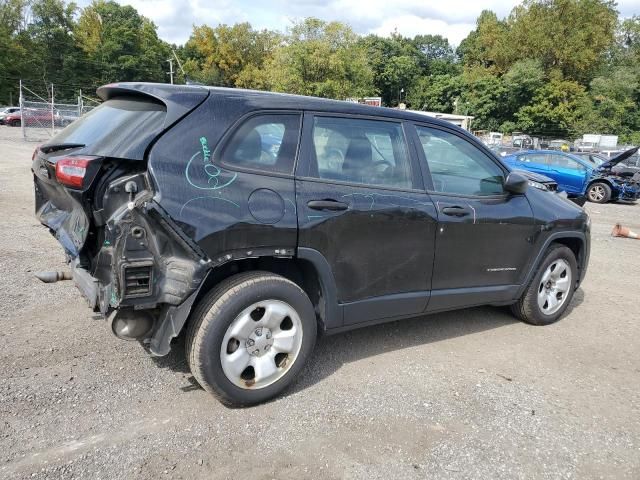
x=229 y=55
x=120 y=44
x=571 y=36
x=322 y=59
x=559 y=108
x=437 y=93
x=488 y=45
x=483 y=96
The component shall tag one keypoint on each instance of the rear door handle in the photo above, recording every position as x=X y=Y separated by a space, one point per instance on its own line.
x=455 y=211
x=332 y=205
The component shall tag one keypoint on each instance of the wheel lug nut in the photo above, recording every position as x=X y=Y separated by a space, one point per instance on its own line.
x=258 y=332
x=267 y=347
x=250 y=342
x=256 y=352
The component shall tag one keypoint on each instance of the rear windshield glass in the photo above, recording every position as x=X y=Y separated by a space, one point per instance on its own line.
x=120 y=128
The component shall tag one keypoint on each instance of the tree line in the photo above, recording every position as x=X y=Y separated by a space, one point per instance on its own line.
x=557 y=68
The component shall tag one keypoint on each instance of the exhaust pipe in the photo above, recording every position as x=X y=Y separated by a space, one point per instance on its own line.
x=53 y=277
x=620 y=231
x=129 y=324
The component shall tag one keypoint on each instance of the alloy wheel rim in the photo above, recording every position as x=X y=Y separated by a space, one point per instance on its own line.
x=261 y=344
x=554 y=287
x=596 y=192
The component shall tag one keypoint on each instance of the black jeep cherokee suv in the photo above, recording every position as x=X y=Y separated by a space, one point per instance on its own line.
x=253 y=221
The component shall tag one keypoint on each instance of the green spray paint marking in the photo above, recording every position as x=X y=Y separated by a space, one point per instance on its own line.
x=206 y=153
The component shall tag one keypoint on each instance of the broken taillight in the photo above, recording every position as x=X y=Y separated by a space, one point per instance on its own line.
x=71 y=171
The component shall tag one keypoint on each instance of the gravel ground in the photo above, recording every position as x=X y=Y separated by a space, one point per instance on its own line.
x=468 y=394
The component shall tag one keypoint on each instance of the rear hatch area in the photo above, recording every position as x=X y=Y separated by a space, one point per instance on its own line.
x=93 y=193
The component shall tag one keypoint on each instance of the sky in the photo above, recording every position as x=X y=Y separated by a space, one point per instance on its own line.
x=453 y=19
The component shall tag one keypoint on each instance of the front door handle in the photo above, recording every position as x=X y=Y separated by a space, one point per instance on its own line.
x=455 y=211
x=332 y=205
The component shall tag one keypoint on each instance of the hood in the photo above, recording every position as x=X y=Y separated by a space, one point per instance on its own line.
x=618 y=158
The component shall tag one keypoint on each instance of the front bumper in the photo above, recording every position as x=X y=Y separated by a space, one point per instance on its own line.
x=629 y=193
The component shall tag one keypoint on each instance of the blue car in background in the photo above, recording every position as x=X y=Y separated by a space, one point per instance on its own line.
x=579 y=177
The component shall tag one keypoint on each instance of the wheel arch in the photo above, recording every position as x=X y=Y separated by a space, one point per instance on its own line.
x=309 y=270
x=576 y=241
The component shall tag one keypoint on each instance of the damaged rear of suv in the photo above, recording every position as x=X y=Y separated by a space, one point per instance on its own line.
x=251 y=221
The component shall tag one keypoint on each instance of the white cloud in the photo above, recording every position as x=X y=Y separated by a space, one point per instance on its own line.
x=453 y=19
x=411 y=25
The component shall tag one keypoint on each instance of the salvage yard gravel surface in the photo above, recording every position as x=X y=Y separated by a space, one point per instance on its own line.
x=467 y=394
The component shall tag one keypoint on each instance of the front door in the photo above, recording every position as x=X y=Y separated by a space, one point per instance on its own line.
x=483 y=237
x=361 y=205
x=569 y=173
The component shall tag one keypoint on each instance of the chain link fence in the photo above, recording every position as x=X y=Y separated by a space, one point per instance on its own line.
x=40 y=118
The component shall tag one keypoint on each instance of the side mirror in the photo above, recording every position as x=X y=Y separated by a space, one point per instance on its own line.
x=516 y=183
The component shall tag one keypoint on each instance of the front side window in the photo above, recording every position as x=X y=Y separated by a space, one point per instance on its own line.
x=563 y=161
x=265 y=142
x=370 y=152
x=538 y=158
x=457 y=166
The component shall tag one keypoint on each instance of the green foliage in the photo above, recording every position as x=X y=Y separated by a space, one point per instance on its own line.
x=436 y=93
x=321 y=59
x=552 y=67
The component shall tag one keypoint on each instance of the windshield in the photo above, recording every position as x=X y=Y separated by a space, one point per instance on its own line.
x=120 y=128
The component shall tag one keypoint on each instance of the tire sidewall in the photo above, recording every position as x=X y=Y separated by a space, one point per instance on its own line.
x=555 y=254
x=228 y=308
x=607 y=190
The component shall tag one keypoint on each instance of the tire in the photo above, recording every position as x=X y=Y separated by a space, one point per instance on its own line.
x=599 y=192
x=536 y=304
x=15 y=123
x=262 y=310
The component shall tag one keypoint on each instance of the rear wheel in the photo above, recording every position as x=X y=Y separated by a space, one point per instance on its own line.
x=249 y=337
x=599 y=192
x=15 y=123
x=551 y=289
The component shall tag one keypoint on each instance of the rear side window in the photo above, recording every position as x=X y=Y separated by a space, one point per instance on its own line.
x=120 y=127
x=353 y=150
x=265 y=142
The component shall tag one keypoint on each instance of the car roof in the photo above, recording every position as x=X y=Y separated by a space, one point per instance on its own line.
x=551 y=152
x=268 y=100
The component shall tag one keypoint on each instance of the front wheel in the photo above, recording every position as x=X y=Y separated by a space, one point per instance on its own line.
x=599 y=192
x=249 y=337
x=551 y=289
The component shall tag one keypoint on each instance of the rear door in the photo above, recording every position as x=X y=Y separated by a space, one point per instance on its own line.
x=361 y=205
x=569 y=173
x=484 y=233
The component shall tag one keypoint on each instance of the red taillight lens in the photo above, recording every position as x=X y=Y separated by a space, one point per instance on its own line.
x=70 y=171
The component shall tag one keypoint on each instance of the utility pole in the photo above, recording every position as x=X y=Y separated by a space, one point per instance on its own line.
x=170 y=72
x=53 y=122
x=21 y=105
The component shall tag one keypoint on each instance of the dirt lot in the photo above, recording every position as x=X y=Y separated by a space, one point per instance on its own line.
x=470 y=394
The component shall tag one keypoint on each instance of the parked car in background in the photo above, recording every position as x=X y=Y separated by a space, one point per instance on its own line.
x=34 y=117
x=6 y=112
x=257 y=231
x=578 y=176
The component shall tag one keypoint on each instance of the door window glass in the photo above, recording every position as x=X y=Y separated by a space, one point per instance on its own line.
x=361 y=151
x=533 y=158
x=265 y=142
x=457 y=166
x=563 y=161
